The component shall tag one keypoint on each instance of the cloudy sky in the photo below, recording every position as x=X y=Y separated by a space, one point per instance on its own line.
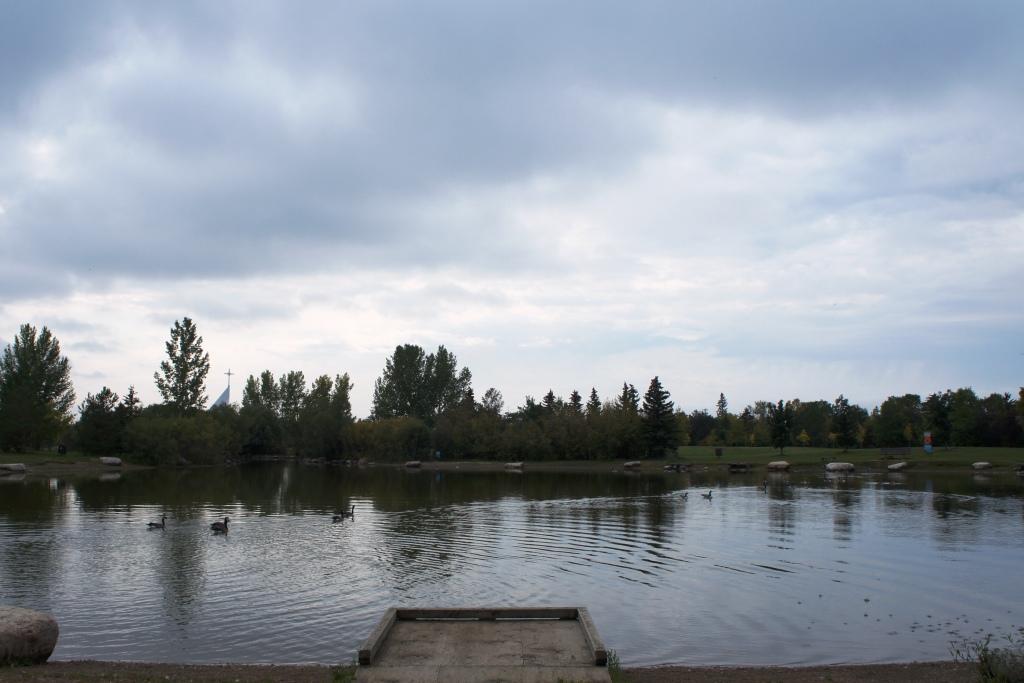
x=765 y=199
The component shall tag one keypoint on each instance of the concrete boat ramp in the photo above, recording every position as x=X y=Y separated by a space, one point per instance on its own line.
x=525 y=645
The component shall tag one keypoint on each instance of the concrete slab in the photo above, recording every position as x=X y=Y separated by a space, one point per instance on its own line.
x=519 y=650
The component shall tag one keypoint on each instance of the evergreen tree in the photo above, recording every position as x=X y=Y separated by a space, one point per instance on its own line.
x=576 y=402
x=36 y=395
x=722 y=419
x=182 y=377
x=780 y=419
x=843 y=424
x=549 y=402
x=629 y=399
x=593 y=405
x=130 y=406
x=659 y=422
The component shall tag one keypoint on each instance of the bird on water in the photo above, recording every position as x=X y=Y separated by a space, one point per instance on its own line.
x=706 y=496
x=686 y=494
x=158 y=525
x=220 y=527
x=351 y=512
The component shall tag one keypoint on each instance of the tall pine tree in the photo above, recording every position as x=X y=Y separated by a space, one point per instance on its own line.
x=660 y=432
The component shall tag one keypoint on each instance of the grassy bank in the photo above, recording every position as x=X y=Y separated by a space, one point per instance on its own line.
x=51 y=463
x=799 y=458
x=795 y=455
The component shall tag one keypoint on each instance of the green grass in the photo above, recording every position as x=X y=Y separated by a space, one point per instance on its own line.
x=38 y=457
x=795 y=455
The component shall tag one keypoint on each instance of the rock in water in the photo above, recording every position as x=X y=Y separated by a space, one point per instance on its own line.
x=982 y=465
x=26 y=636
x=12 y=467
x=840 y=467
x=113 y=462
x=778 y=465
x=896 y=467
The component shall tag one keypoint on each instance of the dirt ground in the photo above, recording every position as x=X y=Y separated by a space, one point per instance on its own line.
x=931 y=672
x=89 y=672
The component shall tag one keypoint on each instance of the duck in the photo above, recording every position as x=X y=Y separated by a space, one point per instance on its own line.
x=220 y=527
x=764 y=485
x=686 y=494
x=158 y=525
x=706 y=496
x=351 y=512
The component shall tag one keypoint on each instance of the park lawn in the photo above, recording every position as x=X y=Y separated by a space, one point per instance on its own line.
x=49 y=457
x=797 y=455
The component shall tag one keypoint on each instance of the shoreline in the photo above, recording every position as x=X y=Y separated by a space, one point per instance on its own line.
x=92 y=670
x=658 y=467
x=58 y=468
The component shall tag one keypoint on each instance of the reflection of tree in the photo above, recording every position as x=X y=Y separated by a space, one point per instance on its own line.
x=846 y=497
x=181 y=571
x=781 y=517
x=30 y=558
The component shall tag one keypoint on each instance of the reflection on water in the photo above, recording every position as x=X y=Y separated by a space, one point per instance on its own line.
x=805 y=570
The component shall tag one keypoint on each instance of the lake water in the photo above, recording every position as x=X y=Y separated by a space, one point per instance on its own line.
x=870 y=568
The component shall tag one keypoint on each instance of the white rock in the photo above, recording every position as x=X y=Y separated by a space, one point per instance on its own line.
x=113 y=462
x=631 y=464
x=13 y=466
x=26 y=636
x=896 y=467
x=513 y=466
x=413 y=463
x=778 y=465
x=982 y=465
x=840 y=467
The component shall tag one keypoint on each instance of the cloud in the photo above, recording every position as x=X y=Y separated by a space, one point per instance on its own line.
x=736 y=196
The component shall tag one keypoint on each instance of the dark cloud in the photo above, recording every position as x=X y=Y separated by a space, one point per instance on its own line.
x=218 y=139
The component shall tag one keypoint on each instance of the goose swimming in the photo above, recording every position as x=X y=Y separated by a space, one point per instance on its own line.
x=351 y=512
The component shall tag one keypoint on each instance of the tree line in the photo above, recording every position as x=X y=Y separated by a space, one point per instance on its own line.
x=424 y=405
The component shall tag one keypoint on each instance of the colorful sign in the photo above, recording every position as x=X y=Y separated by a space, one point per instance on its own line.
x=928 y=442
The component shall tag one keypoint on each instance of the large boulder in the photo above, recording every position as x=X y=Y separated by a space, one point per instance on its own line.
x=12 y=467
x=840 y=467
x=632 y=464
x=778 y=465
x=113 y=462
x=982 y=465
x=896 y=467
x=26 y=636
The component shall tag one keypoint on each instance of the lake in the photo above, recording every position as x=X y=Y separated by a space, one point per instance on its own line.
x=867 y=568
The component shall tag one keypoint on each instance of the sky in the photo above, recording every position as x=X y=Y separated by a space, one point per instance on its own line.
x=763 y=199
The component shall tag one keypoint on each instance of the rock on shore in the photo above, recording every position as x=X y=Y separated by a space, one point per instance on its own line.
x=12 y=467
x=778 y=465
x=839 y=467
x=26 y=636
x=982 y=465
x=896 y=467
